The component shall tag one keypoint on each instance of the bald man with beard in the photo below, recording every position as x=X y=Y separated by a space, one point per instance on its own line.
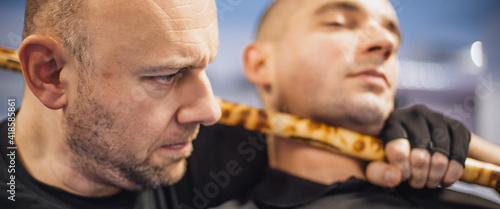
x=115 y=93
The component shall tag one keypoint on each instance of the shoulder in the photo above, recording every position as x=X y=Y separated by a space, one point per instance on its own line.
x=226 y=162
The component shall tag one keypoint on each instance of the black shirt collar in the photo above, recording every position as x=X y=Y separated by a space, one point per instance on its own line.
x=279 y=189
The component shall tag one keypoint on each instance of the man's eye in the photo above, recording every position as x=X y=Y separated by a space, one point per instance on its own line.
x=168 y=79
x=335 y=24
x=165 y=80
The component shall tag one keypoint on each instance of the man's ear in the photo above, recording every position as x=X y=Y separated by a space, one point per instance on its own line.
x=257 y=65
x=42 y=59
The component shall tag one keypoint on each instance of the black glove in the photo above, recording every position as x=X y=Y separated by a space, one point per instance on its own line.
x=427 y=129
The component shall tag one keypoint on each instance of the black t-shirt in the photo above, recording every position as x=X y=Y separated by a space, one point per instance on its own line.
x=17 y=184
x=281 y=190
x=226 y=163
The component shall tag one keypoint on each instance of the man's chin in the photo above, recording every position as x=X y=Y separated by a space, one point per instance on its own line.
x=360 y=110
x=173 y=173
x=165 y=175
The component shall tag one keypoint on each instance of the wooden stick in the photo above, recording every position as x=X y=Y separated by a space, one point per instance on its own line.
x=336 y=139
x=320 y=135
x=9 y=60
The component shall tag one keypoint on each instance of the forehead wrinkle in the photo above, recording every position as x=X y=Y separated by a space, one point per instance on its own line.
x=178 y=7
x=160 y=9
x=194 y=56
x=207 y=48
x=182 y=12
x=194 y=35
x=193 y=29
x=178 y=27
x=203 y=9
x=181 y=6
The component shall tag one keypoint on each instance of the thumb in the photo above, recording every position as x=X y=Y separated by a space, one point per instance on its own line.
x=383 y=174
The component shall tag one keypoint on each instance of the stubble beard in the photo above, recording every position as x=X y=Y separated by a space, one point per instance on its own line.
x=103 y=159
x=352 y=112
x=363 y=110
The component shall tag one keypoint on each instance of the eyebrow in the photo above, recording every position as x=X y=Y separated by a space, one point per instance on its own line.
x=347 y=6
x=158 y=69
x=174 y=66
x=388 y=23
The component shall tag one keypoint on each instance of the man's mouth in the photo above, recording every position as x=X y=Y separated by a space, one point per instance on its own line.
x=372 y=77
x=180 y=143
x=181 y=147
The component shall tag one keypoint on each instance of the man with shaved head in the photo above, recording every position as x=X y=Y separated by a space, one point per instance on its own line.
x=335 y=61
x=115 y=93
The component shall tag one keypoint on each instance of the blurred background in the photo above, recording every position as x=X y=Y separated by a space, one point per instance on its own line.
x=450 y=59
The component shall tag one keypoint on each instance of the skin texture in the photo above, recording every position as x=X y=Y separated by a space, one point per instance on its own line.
x=335 y=62
x=128 y=121
x=484 y=150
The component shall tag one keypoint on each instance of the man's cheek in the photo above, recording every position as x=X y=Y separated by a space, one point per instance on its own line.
x=393 y=70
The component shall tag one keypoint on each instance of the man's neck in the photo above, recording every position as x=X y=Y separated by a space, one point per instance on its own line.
x=311 y=163
x=44 y=153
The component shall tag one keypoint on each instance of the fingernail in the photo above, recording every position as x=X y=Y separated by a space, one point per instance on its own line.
x=389 y=177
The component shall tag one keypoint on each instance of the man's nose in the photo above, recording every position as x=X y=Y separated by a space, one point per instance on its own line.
x=377 y=41
x=199 y=105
